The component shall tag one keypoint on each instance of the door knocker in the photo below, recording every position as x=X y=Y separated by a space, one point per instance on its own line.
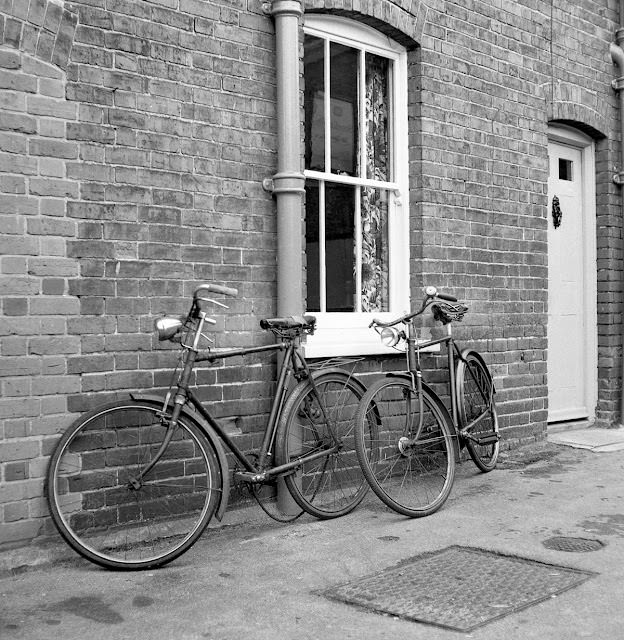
x=557 y=214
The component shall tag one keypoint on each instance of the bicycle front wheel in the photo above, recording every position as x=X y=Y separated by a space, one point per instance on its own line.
x=477 y=411
x=408 y=462
x=318 y=428
x=111 y=514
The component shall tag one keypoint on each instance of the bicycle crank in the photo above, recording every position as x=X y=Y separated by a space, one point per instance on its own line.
x=490 y=438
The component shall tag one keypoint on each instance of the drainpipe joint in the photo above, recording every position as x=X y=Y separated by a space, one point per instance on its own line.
x=283 y=7
x=617 y=55
x=288 y=182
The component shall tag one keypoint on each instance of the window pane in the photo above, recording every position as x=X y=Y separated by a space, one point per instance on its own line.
x=313 y=103
x=312 y=246
x=344 y=112
x=339 y=245
x=374 y=215
x=377 y=109
x=565 y=169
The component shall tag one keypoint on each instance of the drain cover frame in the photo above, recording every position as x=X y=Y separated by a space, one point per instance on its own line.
x=459 y=588
x=573 y=544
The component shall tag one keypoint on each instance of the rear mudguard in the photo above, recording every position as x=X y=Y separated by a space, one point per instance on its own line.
x=440 y=405
x=210 y=434
x=478 y=356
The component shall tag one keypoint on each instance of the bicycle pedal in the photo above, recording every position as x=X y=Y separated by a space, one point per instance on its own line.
x=490 y=438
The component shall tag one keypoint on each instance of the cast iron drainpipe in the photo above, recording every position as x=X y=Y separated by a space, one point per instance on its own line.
x=288 y=184
x=617 y=55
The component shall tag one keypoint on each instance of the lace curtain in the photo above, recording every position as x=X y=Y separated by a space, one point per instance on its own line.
x=374 y=209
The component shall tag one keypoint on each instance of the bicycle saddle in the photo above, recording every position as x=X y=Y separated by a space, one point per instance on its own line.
x=445 y=312
x=306 y=323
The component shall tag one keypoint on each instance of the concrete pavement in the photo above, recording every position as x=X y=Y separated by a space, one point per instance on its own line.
x=265 y=580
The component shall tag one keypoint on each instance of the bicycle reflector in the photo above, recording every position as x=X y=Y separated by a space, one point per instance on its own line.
x=390 y=336
x=168 y=327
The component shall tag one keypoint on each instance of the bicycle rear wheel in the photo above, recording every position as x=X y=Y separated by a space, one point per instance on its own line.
x=475 y=399
x=331 y=484
x=103 y=508
x=411 y=471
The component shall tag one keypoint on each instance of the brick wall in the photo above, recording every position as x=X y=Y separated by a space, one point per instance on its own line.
x=134 y=137
x=36 y=339
x=492 y=77
x=130 y=171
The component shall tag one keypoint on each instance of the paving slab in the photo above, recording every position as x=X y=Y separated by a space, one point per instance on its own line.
x=594 y=439
x=270 y=581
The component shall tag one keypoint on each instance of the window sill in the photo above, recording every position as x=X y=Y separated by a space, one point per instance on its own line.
x=348 y=334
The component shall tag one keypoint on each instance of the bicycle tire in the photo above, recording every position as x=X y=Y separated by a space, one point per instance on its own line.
x=475 y=392
x=412 y=478
x=99 y=512
x=332 y=485
x=266 y=495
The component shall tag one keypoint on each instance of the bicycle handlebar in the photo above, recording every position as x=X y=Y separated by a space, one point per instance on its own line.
x=431 y=294
x=444 y=296
x=208 y=287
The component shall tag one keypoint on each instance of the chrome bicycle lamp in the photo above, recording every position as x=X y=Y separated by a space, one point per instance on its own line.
x=390 y=336
x=168 y=327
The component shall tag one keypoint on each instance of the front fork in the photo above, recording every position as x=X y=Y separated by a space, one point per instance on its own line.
x=415 y=372
x=179 y=400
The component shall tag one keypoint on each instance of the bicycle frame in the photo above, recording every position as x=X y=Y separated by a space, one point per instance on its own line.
x=452 y=353
x=293 y=366
x=414 y=347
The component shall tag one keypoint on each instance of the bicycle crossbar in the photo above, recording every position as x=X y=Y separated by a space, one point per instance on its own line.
x=211 y=356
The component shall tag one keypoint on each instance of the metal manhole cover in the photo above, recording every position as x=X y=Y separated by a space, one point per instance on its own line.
x=459 y=588
x=563 y=543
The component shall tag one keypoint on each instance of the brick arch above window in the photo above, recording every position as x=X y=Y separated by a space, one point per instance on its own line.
x=43 y=29
x=404 y=27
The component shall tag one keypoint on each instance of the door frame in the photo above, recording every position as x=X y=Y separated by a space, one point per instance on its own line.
x=571 y=137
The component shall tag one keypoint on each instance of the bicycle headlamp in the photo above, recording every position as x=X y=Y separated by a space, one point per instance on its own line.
x=390 y=336
x=168 y=327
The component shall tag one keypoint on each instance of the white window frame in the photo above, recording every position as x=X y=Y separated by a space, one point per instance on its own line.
x=349 y=333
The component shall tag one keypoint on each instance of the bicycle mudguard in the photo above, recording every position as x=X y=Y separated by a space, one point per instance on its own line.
x=212 y=436
x=478 y=357
x=439 y=404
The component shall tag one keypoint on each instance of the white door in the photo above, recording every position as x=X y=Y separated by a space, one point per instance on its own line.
x=571 y=365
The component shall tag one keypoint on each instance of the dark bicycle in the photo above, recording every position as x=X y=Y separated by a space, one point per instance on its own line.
x=134 y=483
x=406 y=440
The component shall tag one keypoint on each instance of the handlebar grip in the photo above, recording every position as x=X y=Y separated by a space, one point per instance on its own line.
x=208 y=287
x=445 y=296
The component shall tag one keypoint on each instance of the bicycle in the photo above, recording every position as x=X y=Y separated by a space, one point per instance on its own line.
x=133 y=484
x=406 y=440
